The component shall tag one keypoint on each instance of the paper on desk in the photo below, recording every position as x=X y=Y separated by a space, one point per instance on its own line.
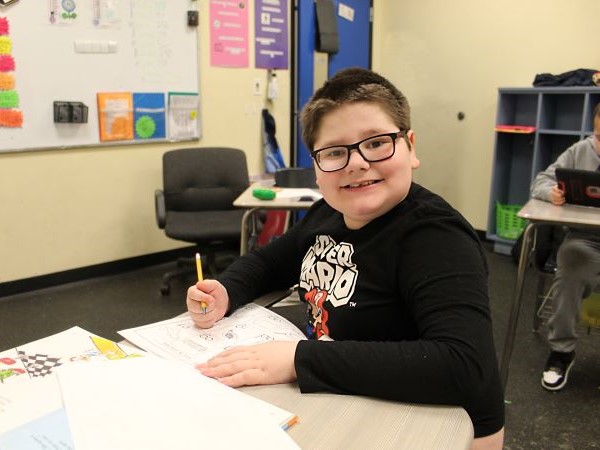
x=28 y=389
x=290 y=193
x=50 y=431
x=152 y=403
x=179 y=339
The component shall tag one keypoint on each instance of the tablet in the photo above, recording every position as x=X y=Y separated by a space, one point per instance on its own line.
x=581 y=187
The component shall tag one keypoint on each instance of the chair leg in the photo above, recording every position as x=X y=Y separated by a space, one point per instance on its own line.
x=540 y=300
x=186 y=266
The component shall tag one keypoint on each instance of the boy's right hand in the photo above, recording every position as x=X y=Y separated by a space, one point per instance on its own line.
x=214 y=295
x=557 y=197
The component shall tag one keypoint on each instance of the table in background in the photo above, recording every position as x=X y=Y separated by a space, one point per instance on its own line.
x=253 y=205
x=353 y=422
x=540 y=212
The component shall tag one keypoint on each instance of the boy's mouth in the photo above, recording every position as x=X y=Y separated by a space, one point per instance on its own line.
x=361 y=184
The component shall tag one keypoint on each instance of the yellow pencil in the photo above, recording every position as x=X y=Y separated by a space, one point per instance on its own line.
x=200 y=277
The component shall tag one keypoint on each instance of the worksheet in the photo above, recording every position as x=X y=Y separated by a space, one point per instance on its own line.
x=31 y=406
x=179 y=339
x=153 y=404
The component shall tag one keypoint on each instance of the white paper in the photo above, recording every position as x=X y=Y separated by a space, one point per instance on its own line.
x=184 y=116
x=296 y=193
x=28 y=389
x=179 y=339
x=149 y=403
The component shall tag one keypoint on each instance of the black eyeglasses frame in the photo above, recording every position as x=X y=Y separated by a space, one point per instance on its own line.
x=356 y=146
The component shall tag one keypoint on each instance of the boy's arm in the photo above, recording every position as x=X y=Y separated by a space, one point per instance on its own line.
x=541 y=187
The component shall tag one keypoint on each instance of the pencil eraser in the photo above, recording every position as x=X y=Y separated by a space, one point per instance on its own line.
x=264 y=194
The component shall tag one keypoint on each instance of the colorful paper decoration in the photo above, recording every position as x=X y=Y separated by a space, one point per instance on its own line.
x=10 y=117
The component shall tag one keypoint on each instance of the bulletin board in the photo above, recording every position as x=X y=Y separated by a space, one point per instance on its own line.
x=72 y=50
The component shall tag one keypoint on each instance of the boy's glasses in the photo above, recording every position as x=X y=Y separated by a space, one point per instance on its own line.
x=372 y=149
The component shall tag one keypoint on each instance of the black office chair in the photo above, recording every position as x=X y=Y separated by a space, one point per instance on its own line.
x=196 y=203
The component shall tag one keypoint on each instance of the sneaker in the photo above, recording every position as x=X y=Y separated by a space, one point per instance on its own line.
x=557 y=370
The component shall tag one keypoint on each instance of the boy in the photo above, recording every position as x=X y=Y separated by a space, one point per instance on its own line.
x=577 y=261
x=395 y=280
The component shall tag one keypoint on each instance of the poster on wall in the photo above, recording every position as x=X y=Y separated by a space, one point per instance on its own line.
x=115 y=116
x=229 y=33
x=184 y=115
x=271 y=34
x=149 y=115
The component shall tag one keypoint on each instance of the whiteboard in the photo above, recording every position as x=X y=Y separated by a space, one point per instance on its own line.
x=136 y=46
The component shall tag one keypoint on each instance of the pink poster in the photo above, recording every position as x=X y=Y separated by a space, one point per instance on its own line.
x=229 y=33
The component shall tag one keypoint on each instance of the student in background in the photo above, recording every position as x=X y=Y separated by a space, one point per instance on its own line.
x=577 y=261
x=394 y=279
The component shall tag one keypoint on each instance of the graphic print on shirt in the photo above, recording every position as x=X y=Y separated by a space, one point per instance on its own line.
x=316 y=298
x=329 y=277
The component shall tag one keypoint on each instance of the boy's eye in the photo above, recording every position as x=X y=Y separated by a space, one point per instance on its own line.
x=333 y=153
x=374 y=144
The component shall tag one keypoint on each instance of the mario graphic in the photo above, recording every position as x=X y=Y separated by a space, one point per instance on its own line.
x=315 y=299
x=328 y=277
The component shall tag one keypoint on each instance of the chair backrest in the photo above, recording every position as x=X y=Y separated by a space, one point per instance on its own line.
x=296 y=177
x=208 y=178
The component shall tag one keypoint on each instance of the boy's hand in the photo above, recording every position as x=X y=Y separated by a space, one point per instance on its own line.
x=212 y=294
x=268 y=363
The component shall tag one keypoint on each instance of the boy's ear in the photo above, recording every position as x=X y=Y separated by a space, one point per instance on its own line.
x=414 y=161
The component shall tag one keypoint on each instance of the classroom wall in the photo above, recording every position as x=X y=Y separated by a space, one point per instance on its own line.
x=450 y=57
x=65 y=209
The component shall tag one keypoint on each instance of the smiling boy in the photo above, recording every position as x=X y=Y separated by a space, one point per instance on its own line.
x=394 y=278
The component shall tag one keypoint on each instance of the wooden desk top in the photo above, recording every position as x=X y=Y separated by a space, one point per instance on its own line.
x=331 y=421
x=287 y=198
x=570 y=215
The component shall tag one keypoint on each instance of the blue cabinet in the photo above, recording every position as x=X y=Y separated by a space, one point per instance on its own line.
x=533 y=127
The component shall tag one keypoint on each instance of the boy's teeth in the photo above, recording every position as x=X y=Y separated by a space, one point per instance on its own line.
x=366 y=183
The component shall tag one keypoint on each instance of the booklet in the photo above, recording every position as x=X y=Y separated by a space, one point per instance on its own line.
x=179 y=339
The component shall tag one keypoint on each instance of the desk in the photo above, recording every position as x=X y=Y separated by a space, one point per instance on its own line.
x=539 y=212
x=332 y=421
x=253 y=204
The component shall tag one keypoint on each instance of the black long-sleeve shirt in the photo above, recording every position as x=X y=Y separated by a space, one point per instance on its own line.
x=405 y=299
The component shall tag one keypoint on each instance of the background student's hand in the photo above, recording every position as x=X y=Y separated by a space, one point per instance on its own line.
x=268 y=363
x=214 y=295
x=557 y=197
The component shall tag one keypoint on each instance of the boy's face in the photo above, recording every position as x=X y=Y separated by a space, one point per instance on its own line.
x=597 y=134
x=363 y=191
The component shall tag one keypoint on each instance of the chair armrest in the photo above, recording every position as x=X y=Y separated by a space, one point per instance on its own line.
x=160 y=208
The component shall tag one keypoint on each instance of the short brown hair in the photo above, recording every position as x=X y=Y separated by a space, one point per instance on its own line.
x=349 y=86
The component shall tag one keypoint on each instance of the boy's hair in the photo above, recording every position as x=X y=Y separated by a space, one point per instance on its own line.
x=349 y=86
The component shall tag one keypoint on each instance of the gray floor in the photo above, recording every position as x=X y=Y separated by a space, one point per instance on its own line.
x=535 y=418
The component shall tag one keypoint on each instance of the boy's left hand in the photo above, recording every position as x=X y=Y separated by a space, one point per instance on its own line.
x=268 y=363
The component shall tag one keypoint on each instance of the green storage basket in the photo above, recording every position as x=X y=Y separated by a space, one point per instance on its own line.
x=508 y=225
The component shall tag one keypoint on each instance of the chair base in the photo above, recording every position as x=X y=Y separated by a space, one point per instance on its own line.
x=187 y=266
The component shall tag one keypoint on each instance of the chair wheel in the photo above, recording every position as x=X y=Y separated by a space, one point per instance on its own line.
x=165 y=289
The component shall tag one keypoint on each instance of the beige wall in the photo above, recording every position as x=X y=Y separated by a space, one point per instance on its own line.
x=64 y=209
x=453 y=56
x=72 y=208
